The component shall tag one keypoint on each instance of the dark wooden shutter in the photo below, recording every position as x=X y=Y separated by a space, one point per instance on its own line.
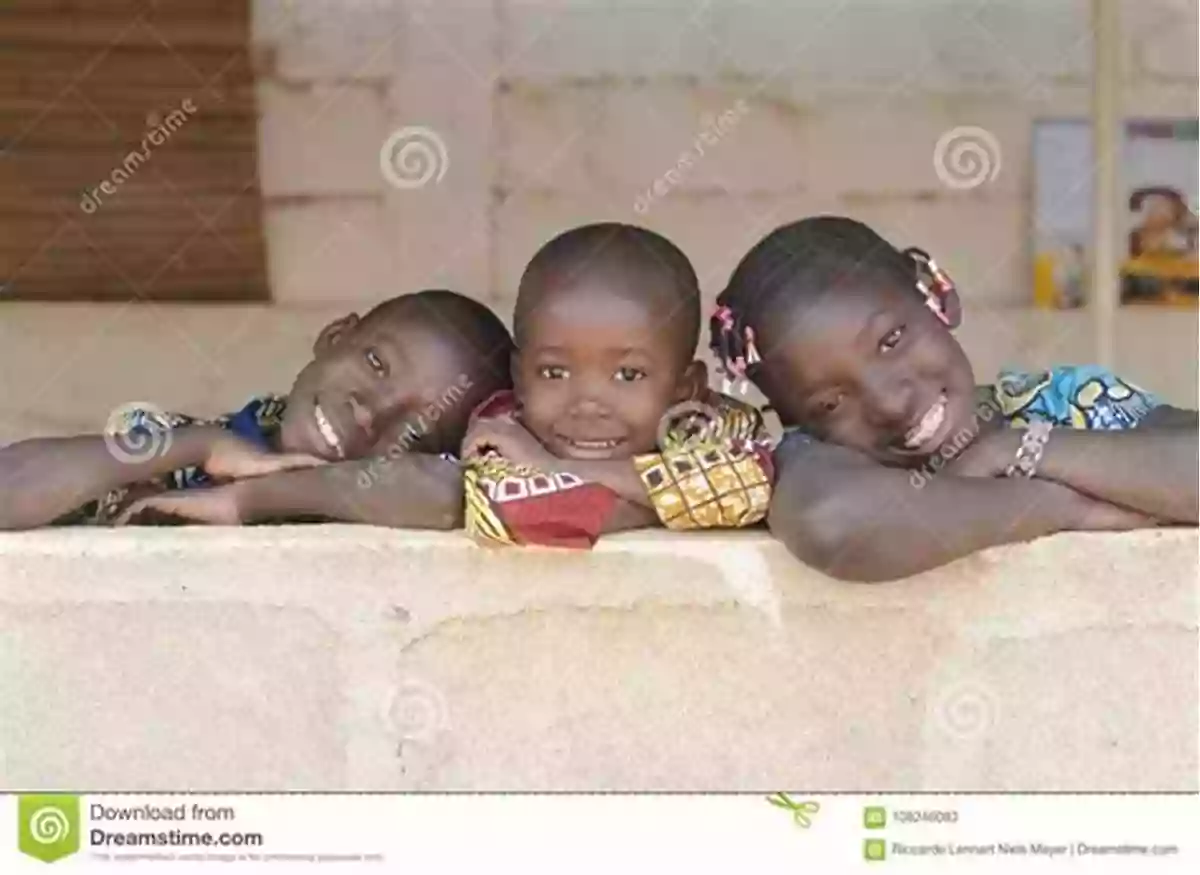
x=128 y=156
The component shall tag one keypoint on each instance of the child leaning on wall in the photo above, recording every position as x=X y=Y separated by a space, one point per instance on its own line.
x=894 y=459
x=364 y=435
x=611 y=425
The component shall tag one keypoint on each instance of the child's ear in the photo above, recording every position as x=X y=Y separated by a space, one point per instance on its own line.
x=334 y=332
x=694 y=382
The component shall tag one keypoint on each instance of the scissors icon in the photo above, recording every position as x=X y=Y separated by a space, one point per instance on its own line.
x=801 y=811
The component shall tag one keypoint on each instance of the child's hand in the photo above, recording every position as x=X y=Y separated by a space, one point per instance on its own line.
x=214 y=506
x=232 y=458
x=509 y=439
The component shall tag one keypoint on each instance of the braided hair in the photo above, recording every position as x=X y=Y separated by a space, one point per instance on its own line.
x=794 y=263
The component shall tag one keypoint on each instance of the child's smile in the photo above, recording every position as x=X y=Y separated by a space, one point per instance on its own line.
x=595 y=374
x=873 y=369
x=364 y=383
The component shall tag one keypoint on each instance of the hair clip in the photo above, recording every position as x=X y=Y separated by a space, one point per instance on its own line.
x=935 y=297
x=752 y=356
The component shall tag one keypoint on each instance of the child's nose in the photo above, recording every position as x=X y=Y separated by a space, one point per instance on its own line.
x=888 y=401
x=589 y=406
x=363 y=415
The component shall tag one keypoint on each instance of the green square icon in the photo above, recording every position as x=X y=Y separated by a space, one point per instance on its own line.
x=874 y=850
x=874 y=817
x=48 y=826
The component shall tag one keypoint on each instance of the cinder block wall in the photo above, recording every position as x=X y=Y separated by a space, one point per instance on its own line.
x=365 y=659
x=556 y=113
x=561 y=112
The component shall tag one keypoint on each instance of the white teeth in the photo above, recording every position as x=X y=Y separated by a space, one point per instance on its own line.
x=928 y=426
x=595 y=445
x=327 y=431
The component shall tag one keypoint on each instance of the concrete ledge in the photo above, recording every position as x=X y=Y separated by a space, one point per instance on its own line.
x=332 y=657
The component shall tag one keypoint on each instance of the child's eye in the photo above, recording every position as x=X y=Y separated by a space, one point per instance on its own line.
x=892 y=339
x=378 y=365
x=553 y=372
x=629 y=375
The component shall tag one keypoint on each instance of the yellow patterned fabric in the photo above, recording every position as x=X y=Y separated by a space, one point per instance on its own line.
x=482 y=523
x=714 y=469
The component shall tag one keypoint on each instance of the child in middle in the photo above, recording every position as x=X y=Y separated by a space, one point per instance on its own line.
x=610 y=425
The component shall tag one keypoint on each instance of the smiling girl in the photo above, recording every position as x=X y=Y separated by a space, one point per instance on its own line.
x=850 y=340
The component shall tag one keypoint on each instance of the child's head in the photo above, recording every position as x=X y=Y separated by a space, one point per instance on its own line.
x=416 y=364
x=606 y=324
x=854 y=338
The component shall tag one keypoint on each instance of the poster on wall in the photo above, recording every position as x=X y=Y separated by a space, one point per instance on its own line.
x=1159 y=171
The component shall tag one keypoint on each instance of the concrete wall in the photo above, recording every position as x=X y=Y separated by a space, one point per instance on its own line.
x=555 y=113
x=354 y=658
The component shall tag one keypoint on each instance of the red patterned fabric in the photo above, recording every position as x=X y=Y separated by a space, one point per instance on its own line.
x=517 y=504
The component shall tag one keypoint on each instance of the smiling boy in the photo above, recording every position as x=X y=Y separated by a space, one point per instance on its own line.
x=607 y=321
x=371 y=380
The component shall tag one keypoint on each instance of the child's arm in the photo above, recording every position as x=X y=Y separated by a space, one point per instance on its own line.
x=515 y=443
x=415 y=491
x=856 y=520
x=1150 y=469
x=43 y=479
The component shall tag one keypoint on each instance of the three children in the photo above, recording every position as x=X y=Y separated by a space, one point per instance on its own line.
x=894 y=460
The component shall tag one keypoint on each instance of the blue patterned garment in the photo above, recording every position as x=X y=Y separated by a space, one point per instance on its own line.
x=139 y=427
x=1072 y=396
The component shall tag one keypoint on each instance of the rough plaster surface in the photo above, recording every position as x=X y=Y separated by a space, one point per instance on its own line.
x=337 y=657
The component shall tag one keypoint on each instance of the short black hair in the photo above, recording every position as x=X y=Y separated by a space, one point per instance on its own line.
x=476 y=333
x=628 y=251
x=795 y=263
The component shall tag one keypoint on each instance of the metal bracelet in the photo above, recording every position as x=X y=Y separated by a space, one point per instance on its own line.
x=1029 y=454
